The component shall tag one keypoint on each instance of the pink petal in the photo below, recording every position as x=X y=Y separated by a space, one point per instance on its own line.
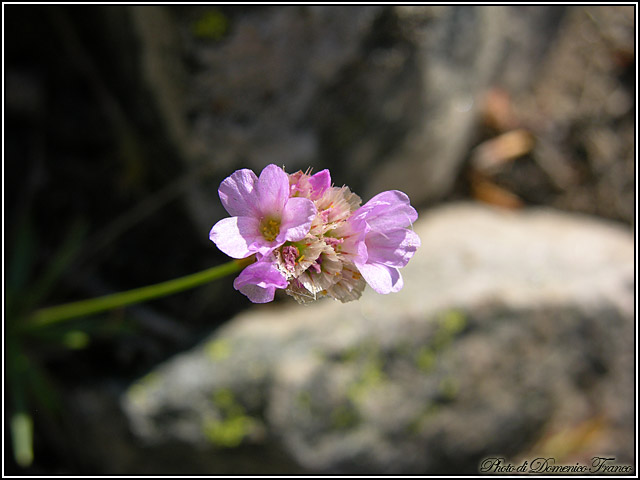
x=388 y=210
x=393 y=248
x=383 y=279
x=259 y=281
x=237 y=193
x=264 y=247
x=352 y=234
x=236 y=235
x=273 y=191
x=296 y=219
x=362 y=255
x=320 y=182
x=258 y=294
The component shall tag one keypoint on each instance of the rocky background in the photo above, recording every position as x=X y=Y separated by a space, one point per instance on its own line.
x=510 y=127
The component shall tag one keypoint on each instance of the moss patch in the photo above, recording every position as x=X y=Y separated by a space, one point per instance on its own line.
x=450 y=324
x=139 y=392
x=218 y=350
x=415 y=427
x=426 y=359
x=371 y=369
x=228 y=433
x=212 y=25
x=234 y=425
x=448 y=389
x=344 y=417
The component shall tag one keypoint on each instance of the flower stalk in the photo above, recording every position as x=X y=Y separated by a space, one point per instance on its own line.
x=68 y=311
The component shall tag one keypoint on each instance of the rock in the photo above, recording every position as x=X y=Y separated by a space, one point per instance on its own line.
x=582 y=115
x=385 y=97
x=511 y=326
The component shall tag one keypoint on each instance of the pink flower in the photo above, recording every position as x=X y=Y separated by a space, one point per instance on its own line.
x=389 y=245
x=259 y=281
x=263 y=214
x=311 y=238
x=310 y=186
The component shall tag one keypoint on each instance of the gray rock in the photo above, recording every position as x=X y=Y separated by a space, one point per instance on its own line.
x=511 y=325
x=386 y=97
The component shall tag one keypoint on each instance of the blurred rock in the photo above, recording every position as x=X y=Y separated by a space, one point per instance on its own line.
x=510 y=326
x=386 y=97
x=580 y=111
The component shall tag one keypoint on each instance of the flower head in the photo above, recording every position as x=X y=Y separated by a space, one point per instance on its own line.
x=311 y=238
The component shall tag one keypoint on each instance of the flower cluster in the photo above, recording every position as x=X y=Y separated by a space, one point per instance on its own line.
x=311 y=238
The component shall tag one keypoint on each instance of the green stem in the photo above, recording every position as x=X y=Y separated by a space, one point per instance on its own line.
x=50 y=315
x=21 y=421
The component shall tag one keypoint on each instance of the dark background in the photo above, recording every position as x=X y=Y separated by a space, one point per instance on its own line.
x=93 y=160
